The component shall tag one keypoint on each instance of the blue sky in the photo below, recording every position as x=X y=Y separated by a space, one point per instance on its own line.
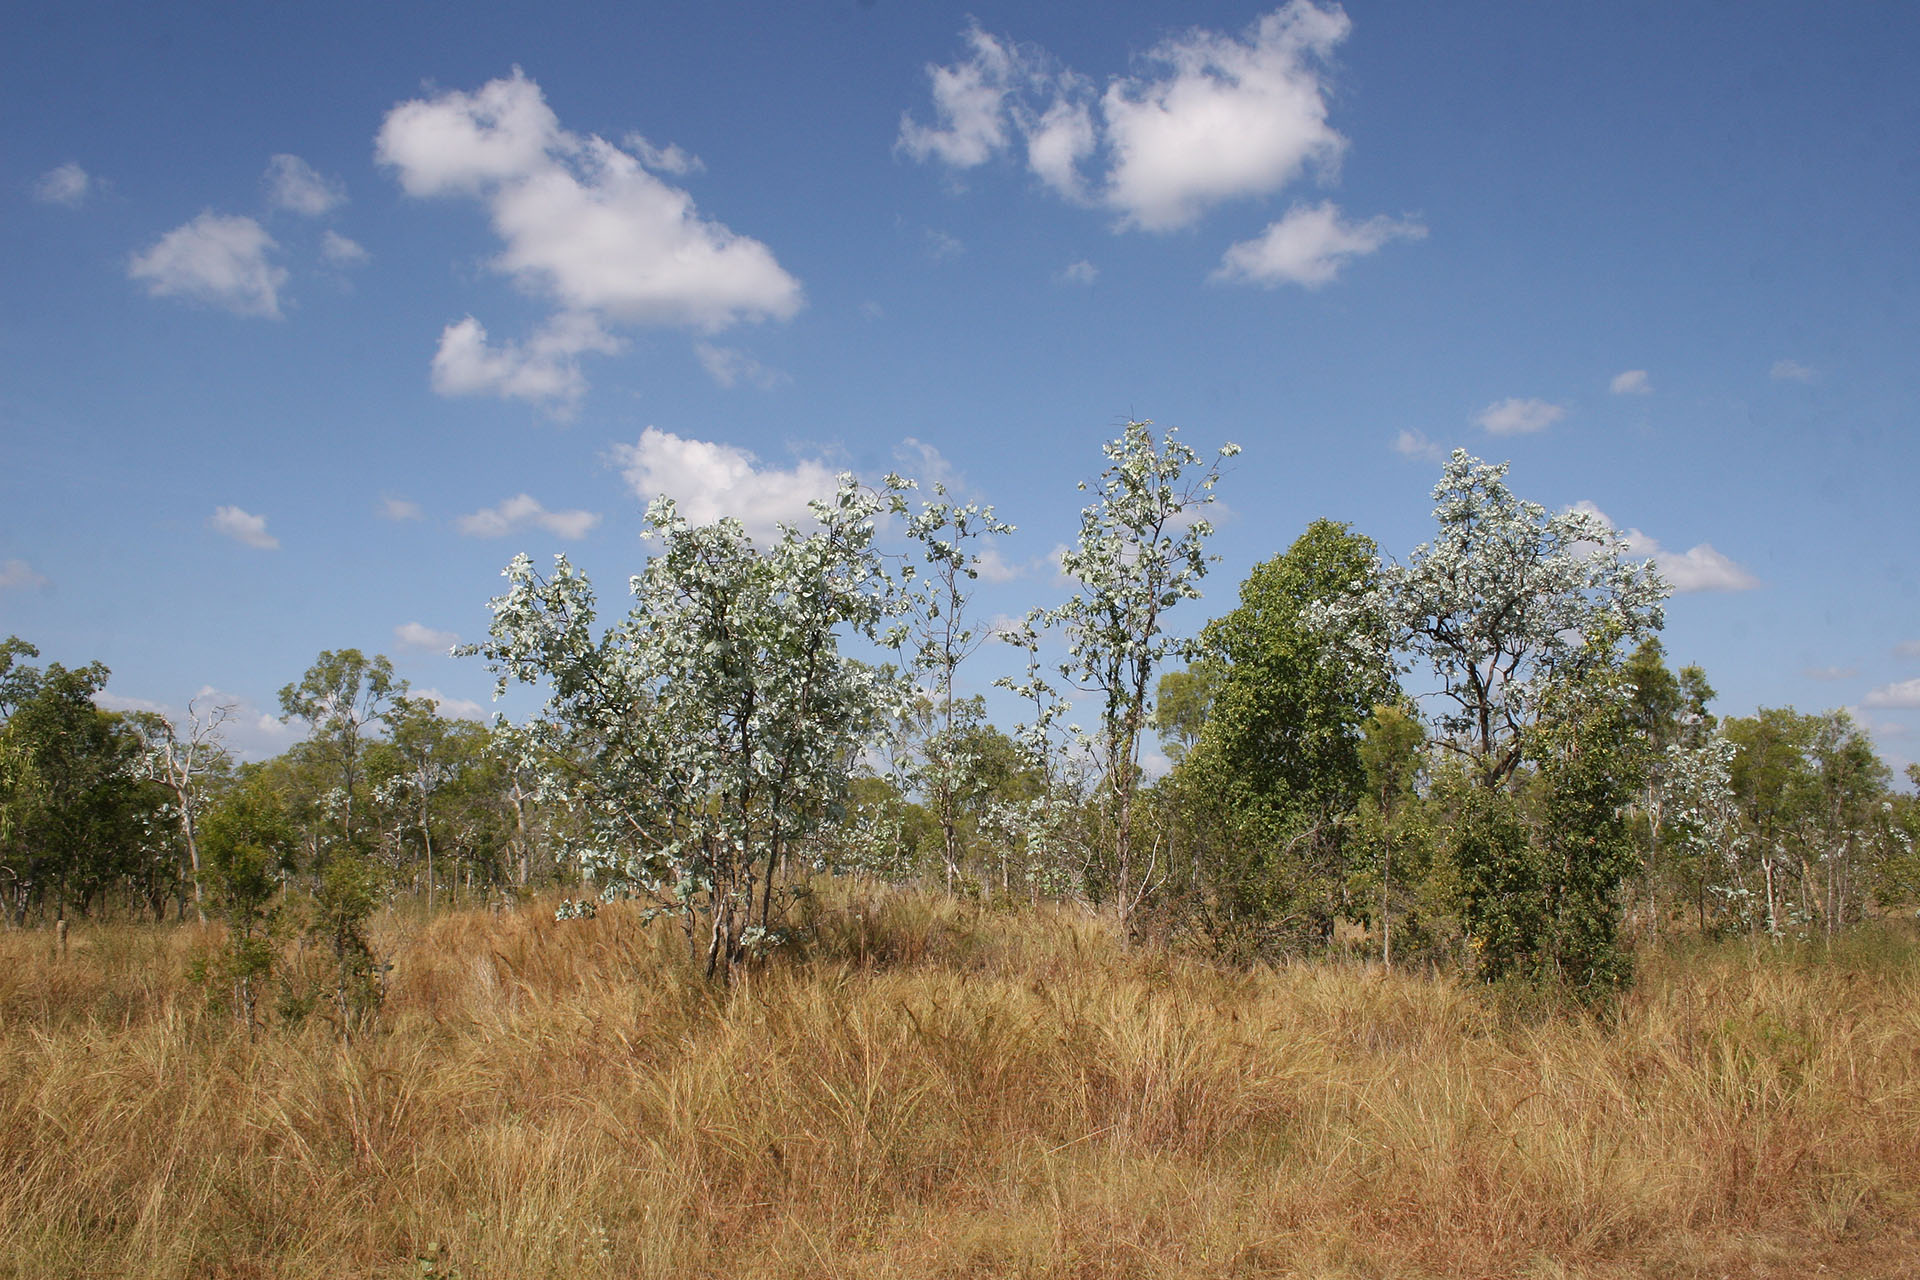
x=312 y=316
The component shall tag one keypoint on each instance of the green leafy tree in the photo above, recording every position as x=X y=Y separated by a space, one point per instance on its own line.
x=1279 y=753
x=249 y=843
x=1393 y=757
x=344 y=698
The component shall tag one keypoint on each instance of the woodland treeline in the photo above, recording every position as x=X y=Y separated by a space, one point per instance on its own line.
x=1475 y=756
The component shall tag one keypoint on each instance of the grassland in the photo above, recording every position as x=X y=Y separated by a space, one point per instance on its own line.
x=932 y=1089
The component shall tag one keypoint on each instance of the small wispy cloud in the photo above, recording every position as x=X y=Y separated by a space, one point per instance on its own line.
x=1078 y=272
x=68 y=185
x=243 y=526
x=416 y=635
x=392 y=508
x=214 y=259
x=1791 y=371
x=730 y=367
x=296 y=186
x=1902 y=693
x=523 y=511
x=1414 y=444
x=1830 y=673
x=18 y=575
x=340 y=251
x=1516 y=417
x=1633 y=382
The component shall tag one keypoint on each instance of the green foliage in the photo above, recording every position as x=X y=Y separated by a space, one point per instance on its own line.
x=1278 y=757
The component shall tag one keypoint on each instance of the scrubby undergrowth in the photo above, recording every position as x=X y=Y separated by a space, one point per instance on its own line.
x=932 y=1089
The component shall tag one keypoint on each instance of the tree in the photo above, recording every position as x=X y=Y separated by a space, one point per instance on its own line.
x=942 y=640
x=342 y=697
x=1391 y=755
x=249 y=843
x=1498 y=606
x=1279 y=753
x=184 y=764
x=1141 y=550
x=707 y=734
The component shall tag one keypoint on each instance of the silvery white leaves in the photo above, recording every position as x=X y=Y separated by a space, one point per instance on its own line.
x=1503 y=602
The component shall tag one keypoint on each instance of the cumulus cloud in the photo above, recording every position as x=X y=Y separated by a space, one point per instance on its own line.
x=1791 y=371
x=340 y=251
x=392 y=508
x=1080 y=272
x=925 y=463
x=1632 y=382
x=296 y=186
x=730 y=367
x=19 y=575
x=545 y=371
x=710 y=481
x=1208 y=118
x=994 y=567
x=943 y=245
x=214 y=259
x=415 y=635
x=581 y=222
x=1414 y=444
x=1310 y=245
x=68 y=185
x=1226 y=118
x=1902 y=693
x=243 y=526
x=1699 y=568
x=107 y=700
x=522 y=511
x=1514 y=417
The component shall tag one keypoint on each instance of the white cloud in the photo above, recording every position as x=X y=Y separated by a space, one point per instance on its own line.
x=582 y=223
x=1080 y=272
x=1512 y=417
x=1633 y=382
x=1908 y=648
x=67 y=184
x=1903 y=693
x=243 y=526
x=994 y=567
x=340 y=251
x=415 y=635
x=1791 y=371
x=970 y=102
x=215 y=259
x=392 y=508
x=1228 y=118
x=545 y=371
x=522 y=511
x=730 y=367
x=1699 y=568
x=19 y=575
x=296 y=186
x=1830 y=673
x=1310 y=245
x=1217 y=118
x=710 y=481
x=1414 y=444
x=452 y=708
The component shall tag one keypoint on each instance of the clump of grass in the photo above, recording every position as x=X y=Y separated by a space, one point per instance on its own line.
x=926 y=1087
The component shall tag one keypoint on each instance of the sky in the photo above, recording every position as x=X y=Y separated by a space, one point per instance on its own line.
x=312 y=317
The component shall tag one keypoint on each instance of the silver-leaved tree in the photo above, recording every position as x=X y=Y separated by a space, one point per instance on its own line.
x=1141 y=550
x=706 y=735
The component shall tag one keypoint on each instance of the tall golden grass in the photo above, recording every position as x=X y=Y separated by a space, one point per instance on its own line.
x=933 y=1089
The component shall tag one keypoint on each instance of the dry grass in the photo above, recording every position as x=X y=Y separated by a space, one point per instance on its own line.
x=941 y=1091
